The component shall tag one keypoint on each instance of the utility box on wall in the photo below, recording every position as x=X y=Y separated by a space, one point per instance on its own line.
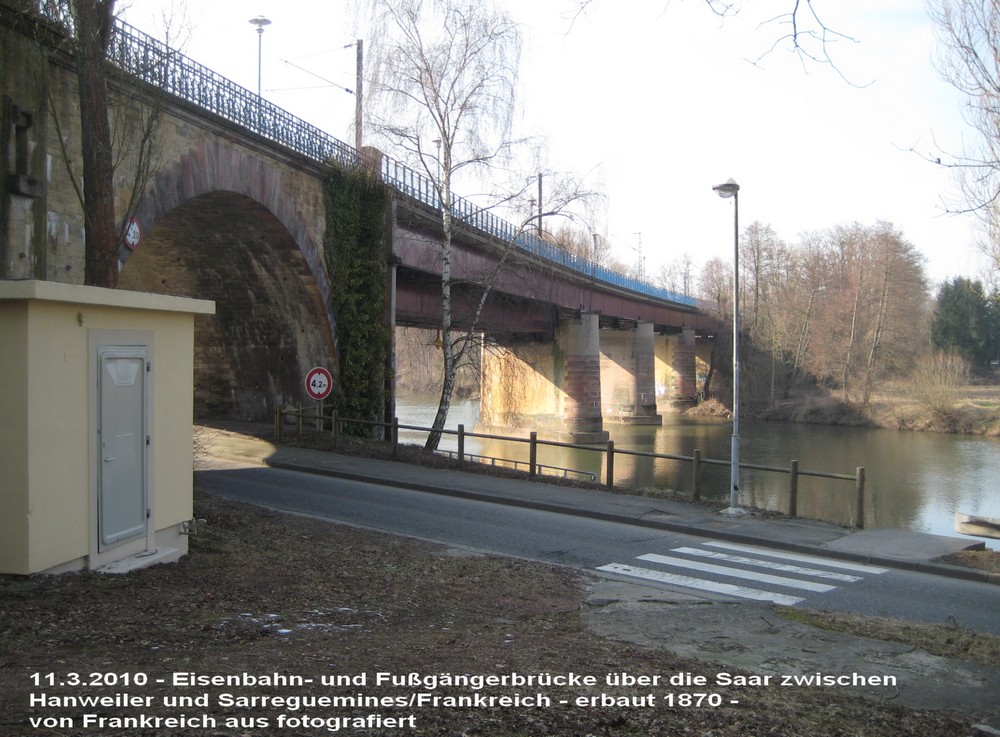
x=96 y=401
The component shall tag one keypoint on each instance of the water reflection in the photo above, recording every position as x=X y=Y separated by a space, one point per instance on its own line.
x=914 y=480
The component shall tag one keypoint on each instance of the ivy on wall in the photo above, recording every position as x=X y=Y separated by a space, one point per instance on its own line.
x=354 y=245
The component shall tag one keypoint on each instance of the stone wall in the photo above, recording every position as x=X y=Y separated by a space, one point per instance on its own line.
x=223 y=215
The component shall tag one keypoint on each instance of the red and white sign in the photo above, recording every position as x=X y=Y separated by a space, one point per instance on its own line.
x=319 y=383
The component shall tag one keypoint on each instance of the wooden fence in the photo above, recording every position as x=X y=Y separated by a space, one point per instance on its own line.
x=321 y=420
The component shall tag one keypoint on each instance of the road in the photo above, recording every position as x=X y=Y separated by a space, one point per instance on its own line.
x=689 y=563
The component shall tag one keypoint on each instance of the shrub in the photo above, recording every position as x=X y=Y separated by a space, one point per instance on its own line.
x=937 y=381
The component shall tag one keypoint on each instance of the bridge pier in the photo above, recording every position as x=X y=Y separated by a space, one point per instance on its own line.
x=676 y=370
x=552 y=386
x=579 y=342
x=628 y=383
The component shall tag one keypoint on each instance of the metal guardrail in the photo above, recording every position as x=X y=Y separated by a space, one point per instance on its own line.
x=541 y=468
x=320 y=418
x=153 y=62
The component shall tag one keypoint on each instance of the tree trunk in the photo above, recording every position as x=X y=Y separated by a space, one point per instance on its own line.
x=845 y=378
x=804 y=332
x=94 y=19
x=447 y=344
x=883 y=308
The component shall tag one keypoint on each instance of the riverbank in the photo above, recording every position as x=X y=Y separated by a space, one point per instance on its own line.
x=973 y=410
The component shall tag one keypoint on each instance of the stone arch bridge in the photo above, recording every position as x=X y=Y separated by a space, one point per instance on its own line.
x=234 y=212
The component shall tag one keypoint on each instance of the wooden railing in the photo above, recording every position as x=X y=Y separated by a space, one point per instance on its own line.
x=321 y=420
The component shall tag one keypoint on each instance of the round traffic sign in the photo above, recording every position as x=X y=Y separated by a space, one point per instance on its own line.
x=133 y=234
x=319 y=383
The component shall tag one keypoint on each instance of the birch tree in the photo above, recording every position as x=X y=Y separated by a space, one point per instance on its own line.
x=445 y=73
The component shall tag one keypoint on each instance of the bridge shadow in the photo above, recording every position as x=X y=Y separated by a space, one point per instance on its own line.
x=270 y=325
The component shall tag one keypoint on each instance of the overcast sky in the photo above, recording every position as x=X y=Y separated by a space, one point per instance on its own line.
x=655 y=102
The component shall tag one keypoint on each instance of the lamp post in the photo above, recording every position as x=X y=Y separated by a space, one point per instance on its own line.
x=728 y=189
x=260 y=21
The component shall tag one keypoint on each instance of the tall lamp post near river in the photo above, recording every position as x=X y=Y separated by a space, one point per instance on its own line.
x=260 y=21
x=728 y=189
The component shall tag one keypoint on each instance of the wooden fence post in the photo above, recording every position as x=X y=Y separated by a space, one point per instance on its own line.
x=696 y=474
x=335 y=429
x=461 y=444
x=610 y=481
x=395 y=436
x=859 y=501
x=793 y=489
x=277 y=424
x=532 y=454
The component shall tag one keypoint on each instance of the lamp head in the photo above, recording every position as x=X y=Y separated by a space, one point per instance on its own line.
x=260 y=21
x=727 y=189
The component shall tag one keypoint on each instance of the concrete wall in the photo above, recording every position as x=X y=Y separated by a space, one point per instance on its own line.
x=676 y=370
x=48 y=489
x=628 y=390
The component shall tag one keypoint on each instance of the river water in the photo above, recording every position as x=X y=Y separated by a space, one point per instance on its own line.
x=915 y=481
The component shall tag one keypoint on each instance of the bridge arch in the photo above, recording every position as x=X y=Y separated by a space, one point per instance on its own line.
x=271 y=322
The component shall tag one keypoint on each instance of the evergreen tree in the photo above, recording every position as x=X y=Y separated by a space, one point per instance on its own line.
x=965 y=321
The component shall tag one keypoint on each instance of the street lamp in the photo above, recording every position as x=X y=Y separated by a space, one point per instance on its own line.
x=728 y=189
x=260 y=21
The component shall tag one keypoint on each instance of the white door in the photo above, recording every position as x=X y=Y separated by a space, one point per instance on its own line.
x=121 y=432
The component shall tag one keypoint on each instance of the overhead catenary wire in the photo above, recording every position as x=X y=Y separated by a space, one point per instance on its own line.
x=348 y=90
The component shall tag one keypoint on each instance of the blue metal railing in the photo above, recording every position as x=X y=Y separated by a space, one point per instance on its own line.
x=155 y=63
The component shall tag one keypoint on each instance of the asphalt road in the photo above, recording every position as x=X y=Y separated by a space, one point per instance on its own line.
x=688 y=563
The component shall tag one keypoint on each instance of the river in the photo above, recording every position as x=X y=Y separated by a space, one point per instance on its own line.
x=915 y=481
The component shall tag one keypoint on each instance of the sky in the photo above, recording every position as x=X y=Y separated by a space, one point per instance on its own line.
x=653 y=103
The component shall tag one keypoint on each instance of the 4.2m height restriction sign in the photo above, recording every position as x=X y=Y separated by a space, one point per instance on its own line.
x=319 y=383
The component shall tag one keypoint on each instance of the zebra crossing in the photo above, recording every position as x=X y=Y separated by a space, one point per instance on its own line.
x=722 y=567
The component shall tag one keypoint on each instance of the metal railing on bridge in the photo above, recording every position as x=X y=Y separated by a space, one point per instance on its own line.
x=153 y=62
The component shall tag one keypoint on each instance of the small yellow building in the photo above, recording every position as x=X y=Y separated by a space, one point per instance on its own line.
x=96 y=415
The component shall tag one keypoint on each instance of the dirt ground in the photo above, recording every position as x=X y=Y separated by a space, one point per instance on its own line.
x=275 y=595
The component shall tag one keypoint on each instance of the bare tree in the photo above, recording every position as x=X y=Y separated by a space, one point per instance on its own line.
x=117 y=127
x=676 y=276
x=446 y=73
x=864 y=290
x=969 y=60
x=845 y=306
x=801 y=27
x=93 y=22
x=715 y=290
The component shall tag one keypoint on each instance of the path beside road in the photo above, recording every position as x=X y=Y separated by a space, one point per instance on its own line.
x=893 y=548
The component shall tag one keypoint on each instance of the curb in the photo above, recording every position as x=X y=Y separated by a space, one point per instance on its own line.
x=939 y=569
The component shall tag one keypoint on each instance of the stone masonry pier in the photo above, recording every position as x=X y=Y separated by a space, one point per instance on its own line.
x=587 y=376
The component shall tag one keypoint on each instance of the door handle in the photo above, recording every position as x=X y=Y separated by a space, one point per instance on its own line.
x=108 y=460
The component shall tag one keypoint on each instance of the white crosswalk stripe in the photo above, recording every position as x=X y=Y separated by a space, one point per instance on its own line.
x=828 y=562
x=772 y=565
x=744 y=562
x=717 y=587
x=698 y=565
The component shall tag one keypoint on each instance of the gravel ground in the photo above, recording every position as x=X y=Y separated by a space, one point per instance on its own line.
x=274 y=595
